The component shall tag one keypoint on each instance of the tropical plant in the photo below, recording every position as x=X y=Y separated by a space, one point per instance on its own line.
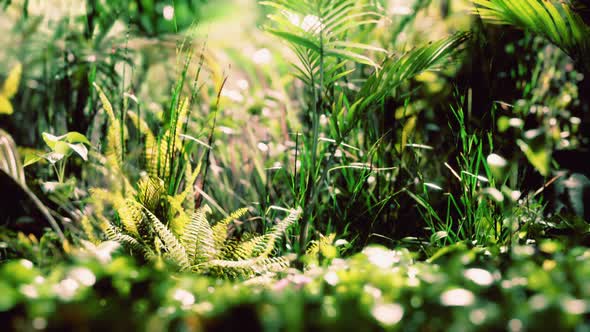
x=322 y=36
x=20 y=202
x=558 y=23
x=62 y=147
x=160 y=217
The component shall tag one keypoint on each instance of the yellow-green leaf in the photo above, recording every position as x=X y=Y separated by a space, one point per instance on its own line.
x=5 y=105
x=12 y=81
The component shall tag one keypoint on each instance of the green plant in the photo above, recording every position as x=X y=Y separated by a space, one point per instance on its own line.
x=558 y=23
x=321 y=34
x=9 y=89
x=62 y=147
x=160 y=216
x=21 y=203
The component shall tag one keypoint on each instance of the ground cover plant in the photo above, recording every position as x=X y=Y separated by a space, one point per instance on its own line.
x=295 y=165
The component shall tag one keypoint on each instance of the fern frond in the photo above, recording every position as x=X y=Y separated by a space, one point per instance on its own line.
x=246 y=267
x=114 y=139
x=198 y=237
x=150 y=191
x=175 y=249
x=179 y=217
x=264 y=250
x=220 y=228
x=316 y=246
x=130 y=215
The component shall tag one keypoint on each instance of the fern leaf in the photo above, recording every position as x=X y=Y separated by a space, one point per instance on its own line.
x=130 y=215
x=197 y=237
x=266 y=248
x=114 y=138
x=150 y=191
x=174 y=247
x=247 y=267
x=220 y=228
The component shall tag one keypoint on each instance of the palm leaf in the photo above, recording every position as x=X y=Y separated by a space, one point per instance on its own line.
x=555 y=21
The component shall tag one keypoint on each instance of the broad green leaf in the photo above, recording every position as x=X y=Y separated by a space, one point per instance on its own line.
x=62 y=148
x=76 y=137
x=50 y=140
x=31 y=159
x=80 y=149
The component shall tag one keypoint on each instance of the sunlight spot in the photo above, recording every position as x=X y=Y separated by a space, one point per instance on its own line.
x=575 y=120
x=293 y=18
x=381 y=257
x=225 y=130
x=532 y=133
x=311 y=23
x=242 y=84
x=400 y=7
x=457 y=297
x=262 y=147
x=91 y=58
x=477 y=316
x=168 y=13
x=184 y=297
x=26 y=263
x=29 y=291
x=515 y=325
x=388 y=313
x=494 y=193
x=83 y=275
x=66 y=289
x=496 y=160
x=233 y=95
x=432 y=186
x=203 y=307
x=515 y=123
x=262 y=56
x=575 y=306
x=39 y=323
x=538 y=302
x=479 y=276
x=374 y=292
x=331 y=278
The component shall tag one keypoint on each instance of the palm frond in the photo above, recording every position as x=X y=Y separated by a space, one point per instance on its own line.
x=555 y=21
x=317 y=32
x=397 y=70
